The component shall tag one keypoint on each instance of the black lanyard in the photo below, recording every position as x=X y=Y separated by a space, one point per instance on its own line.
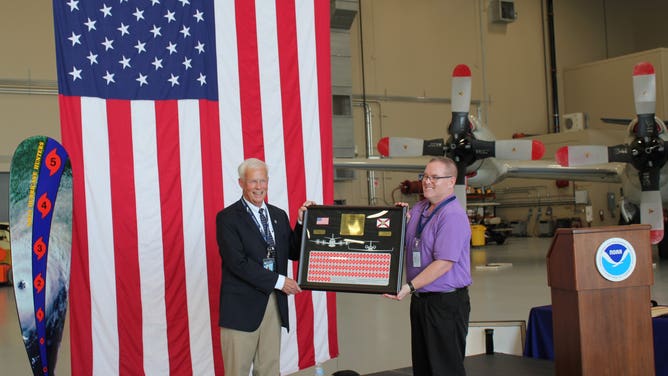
x=421 y=225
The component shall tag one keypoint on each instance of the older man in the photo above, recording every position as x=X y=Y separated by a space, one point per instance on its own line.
x=255 y=242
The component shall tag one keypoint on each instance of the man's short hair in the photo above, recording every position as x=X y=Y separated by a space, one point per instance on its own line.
x=450 y=165
x=251 y=163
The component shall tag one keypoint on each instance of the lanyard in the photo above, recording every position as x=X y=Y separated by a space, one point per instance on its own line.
x=421 y=225
x=259 y=226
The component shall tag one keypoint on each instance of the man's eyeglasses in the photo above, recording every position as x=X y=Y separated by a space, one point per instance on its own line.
x=433 y=178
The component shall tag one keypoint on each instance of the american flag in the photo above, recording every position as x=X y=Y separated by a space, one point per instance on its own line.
x=160 y=100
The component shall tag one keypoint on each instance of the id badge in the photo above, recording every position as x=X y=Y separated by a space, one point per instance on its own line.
x=417 y=262
x=269 y=264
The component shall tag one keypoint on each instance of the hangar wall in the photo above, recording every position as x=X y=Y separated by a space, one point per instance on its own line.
x=28 y=59
x=511 y=79
x=399 y=49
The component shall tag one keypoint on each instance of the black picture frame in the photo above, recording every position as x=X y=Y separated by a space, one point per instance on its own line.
x=353 y=249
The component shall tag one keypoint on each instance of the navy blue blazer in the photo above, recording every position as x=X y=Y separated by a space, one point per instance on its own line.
x=246 y=284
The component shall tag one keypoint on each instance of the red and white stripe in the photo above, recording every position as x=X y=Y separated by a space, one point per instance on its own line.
x=275 y=114
x=461 y=88
x=651 y=212
x=148 y=177
x=519 y=149
x=644 y=88
x=581 y=155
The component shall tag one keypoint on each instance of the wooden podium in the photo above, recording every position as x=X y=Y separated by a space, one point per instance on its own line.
x=601 y=326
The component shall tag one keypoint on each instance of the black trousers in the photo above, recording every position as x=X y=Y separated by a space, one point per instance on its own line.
x=439 y=324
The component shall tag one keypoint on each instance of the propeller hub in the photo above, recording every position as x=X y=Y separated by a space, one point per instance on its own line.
x=647 y=153
x=460 y=150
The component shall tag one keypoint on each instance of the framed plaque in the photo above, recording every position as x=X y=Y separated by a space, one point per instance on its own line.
x=352 y=249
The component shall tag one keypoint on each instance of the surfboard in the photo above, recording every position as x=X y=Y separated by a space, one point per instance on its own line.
x=40 y=223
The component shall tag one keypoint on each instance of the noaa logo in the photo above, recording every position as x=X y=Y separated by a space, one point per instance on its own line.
x=615 y=259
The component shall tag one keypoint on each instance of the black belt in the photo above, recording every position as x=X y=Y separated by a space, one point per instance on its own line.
x=424 y=294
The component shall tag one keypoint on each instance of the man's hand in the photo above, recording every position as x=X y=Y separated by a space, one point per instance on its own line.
x=291 y=287
x=302 y=209
x=404 y=204
x=405 y=290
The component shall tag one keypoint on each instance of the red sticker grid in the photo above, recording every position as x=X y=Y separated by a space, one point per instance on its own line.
x=349 y=267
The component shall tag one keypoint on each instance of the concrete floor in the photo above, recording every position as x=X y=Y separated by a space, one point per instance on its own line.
x=374 y=331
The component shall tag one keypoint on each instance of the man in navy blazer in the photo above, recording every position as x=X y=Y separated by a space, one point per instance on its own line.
x=255 y=242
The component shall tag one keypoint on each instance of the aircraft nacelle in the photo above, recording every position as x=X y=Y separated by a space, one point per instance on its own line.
x=485 y=172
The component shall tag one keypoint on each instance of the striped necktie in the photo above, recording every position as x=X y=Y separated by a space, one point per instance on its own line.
x=265 y=228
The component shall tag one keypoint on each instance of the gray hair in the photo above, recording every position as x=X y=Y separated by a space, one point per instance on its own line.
x=251 y=163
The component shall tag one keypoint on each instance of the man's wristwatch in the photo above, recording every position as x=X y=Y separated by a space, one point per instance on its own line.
x=410 y=286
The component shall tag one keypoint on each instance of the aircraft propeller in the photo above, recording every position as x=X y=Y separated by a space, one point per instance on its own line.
x=646 y=152
x=462 y=146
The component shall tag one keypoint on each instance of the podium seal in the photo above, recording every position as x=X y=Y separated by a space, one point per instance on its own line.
x=615 y=259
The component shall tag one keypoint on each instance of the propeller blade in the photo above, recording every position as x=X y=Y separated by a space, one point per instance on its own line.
x=619 y=153
x=651 y=209
x=581 y=155
x=483 y=149
x=519 y=149
x=649 y=180
x=461 y=88
x=644 y=95
x=409 y=147
x=461 y=101
x=461 y=173
x=644 y=89
x=460 y=184
x=651 y=212
x=460 y=192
